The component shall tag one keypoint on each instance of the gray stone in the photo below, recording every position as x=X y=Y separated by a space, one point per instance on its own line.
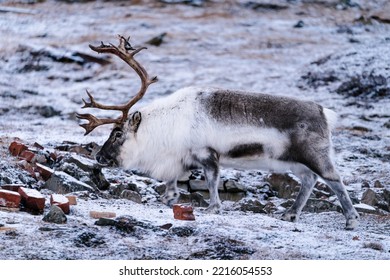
x=200 y=185
x=62 y=183
x=55 y=215
x=252 y=205
x=285 y=185
x=117 y=189
x=131 y=195
x=319 y=205
x=364 y=208
x=370 y=197
x=195 y=199
x=234 y=186
x=86 y=170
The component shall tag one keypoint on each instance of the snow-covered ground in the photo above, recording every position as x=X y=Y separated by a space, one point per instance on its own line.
x=225 y=44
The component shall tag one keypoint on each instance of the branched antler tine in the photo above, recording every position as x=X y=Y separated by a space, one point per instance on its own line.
x=94 y=122
x=125 y=52
x=91 y=103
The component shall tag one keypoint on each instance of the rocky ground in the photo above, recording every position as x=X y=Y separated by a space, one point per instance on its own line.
x=333 y=52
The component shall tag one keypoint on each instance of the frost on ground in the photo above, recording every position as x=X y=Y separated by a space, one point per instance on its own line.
x=333 y=52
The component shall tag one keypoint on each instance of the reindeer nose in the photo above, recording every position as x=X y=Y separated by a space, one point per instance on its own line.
x=101 y=159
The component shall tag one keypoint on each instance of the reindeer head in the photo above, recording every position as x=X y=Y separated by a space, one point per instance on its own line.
x=108 y=154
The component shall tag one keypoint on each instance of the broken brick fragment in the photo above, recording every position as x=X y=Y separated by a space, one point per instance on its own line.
x=12 y=187
x=27 y=155
x=45 y=171
x=61 y=201
x=72 y=199
x=9 y=199
x=32 y=199
x=39 y=146
x=183 y=212
x=98 y=215
x=16 y=148
x=28 y=167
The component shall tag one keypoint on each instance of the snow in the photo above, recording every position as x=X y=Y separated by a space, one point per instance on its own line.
x=223 y=44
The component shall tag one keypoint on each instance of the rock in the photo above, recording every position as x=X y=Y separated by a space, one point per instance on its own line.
x=89 y=239
x=195 y=199
x=378 y=184
x=319 y=205
x=9 y=199
x=382 y=15
x=32 y=199
x=264 y=5
x=200 y=185
x=61 y=201
x=252 y=205
x=126 y=224
x=366 y=86
x=105 y=222
x=166 y=226
x=131 y=195
x=86 y=170
x=195 y=3
x=182 y=231
x=197 y=185
x=183 y=212
x=299 y=24
x=62 y=183
x=118 y=189
x=284 y=184
x=157 y=41
x=370 y=197
x=364 y=208
x=55 y=215
x=234 y=186
x=98 y=215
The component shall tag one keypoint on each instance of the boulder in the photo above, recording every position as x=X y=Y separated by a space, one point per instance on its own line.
x=62 y=183
x=55 y=215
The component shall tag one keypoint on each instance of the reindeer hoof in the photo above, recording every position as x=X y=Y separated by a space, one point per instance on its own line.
x=170 y=199
x=290 y=217
x=213 y=209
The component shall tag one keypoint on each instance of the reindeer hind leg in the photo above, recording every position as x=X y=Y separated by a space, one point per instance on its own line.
x=208 y=159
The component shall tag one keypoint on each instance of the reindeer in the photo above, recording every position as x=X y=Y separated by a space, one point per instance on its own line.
x=202 y=127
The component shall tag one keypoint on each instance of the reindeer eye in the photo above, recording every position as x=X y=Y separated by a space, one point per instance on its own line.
x=118 y=134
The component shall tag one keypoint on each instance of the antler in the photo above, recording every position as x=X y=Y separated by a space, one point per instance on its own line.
x=126 y=52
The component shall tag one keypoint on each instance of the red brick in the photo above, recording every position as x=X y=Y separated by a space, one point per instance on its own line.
x=39 y=146
x=16 y=148
x=12 y=187
x=183 y=212
x=61 y=201
x=32 y=199
x=27 y=155
x=9 y=199
x=45 y=171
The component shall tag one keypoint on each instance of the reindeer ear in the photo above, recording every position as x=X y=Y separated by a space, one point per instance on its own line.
x=135 y=121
